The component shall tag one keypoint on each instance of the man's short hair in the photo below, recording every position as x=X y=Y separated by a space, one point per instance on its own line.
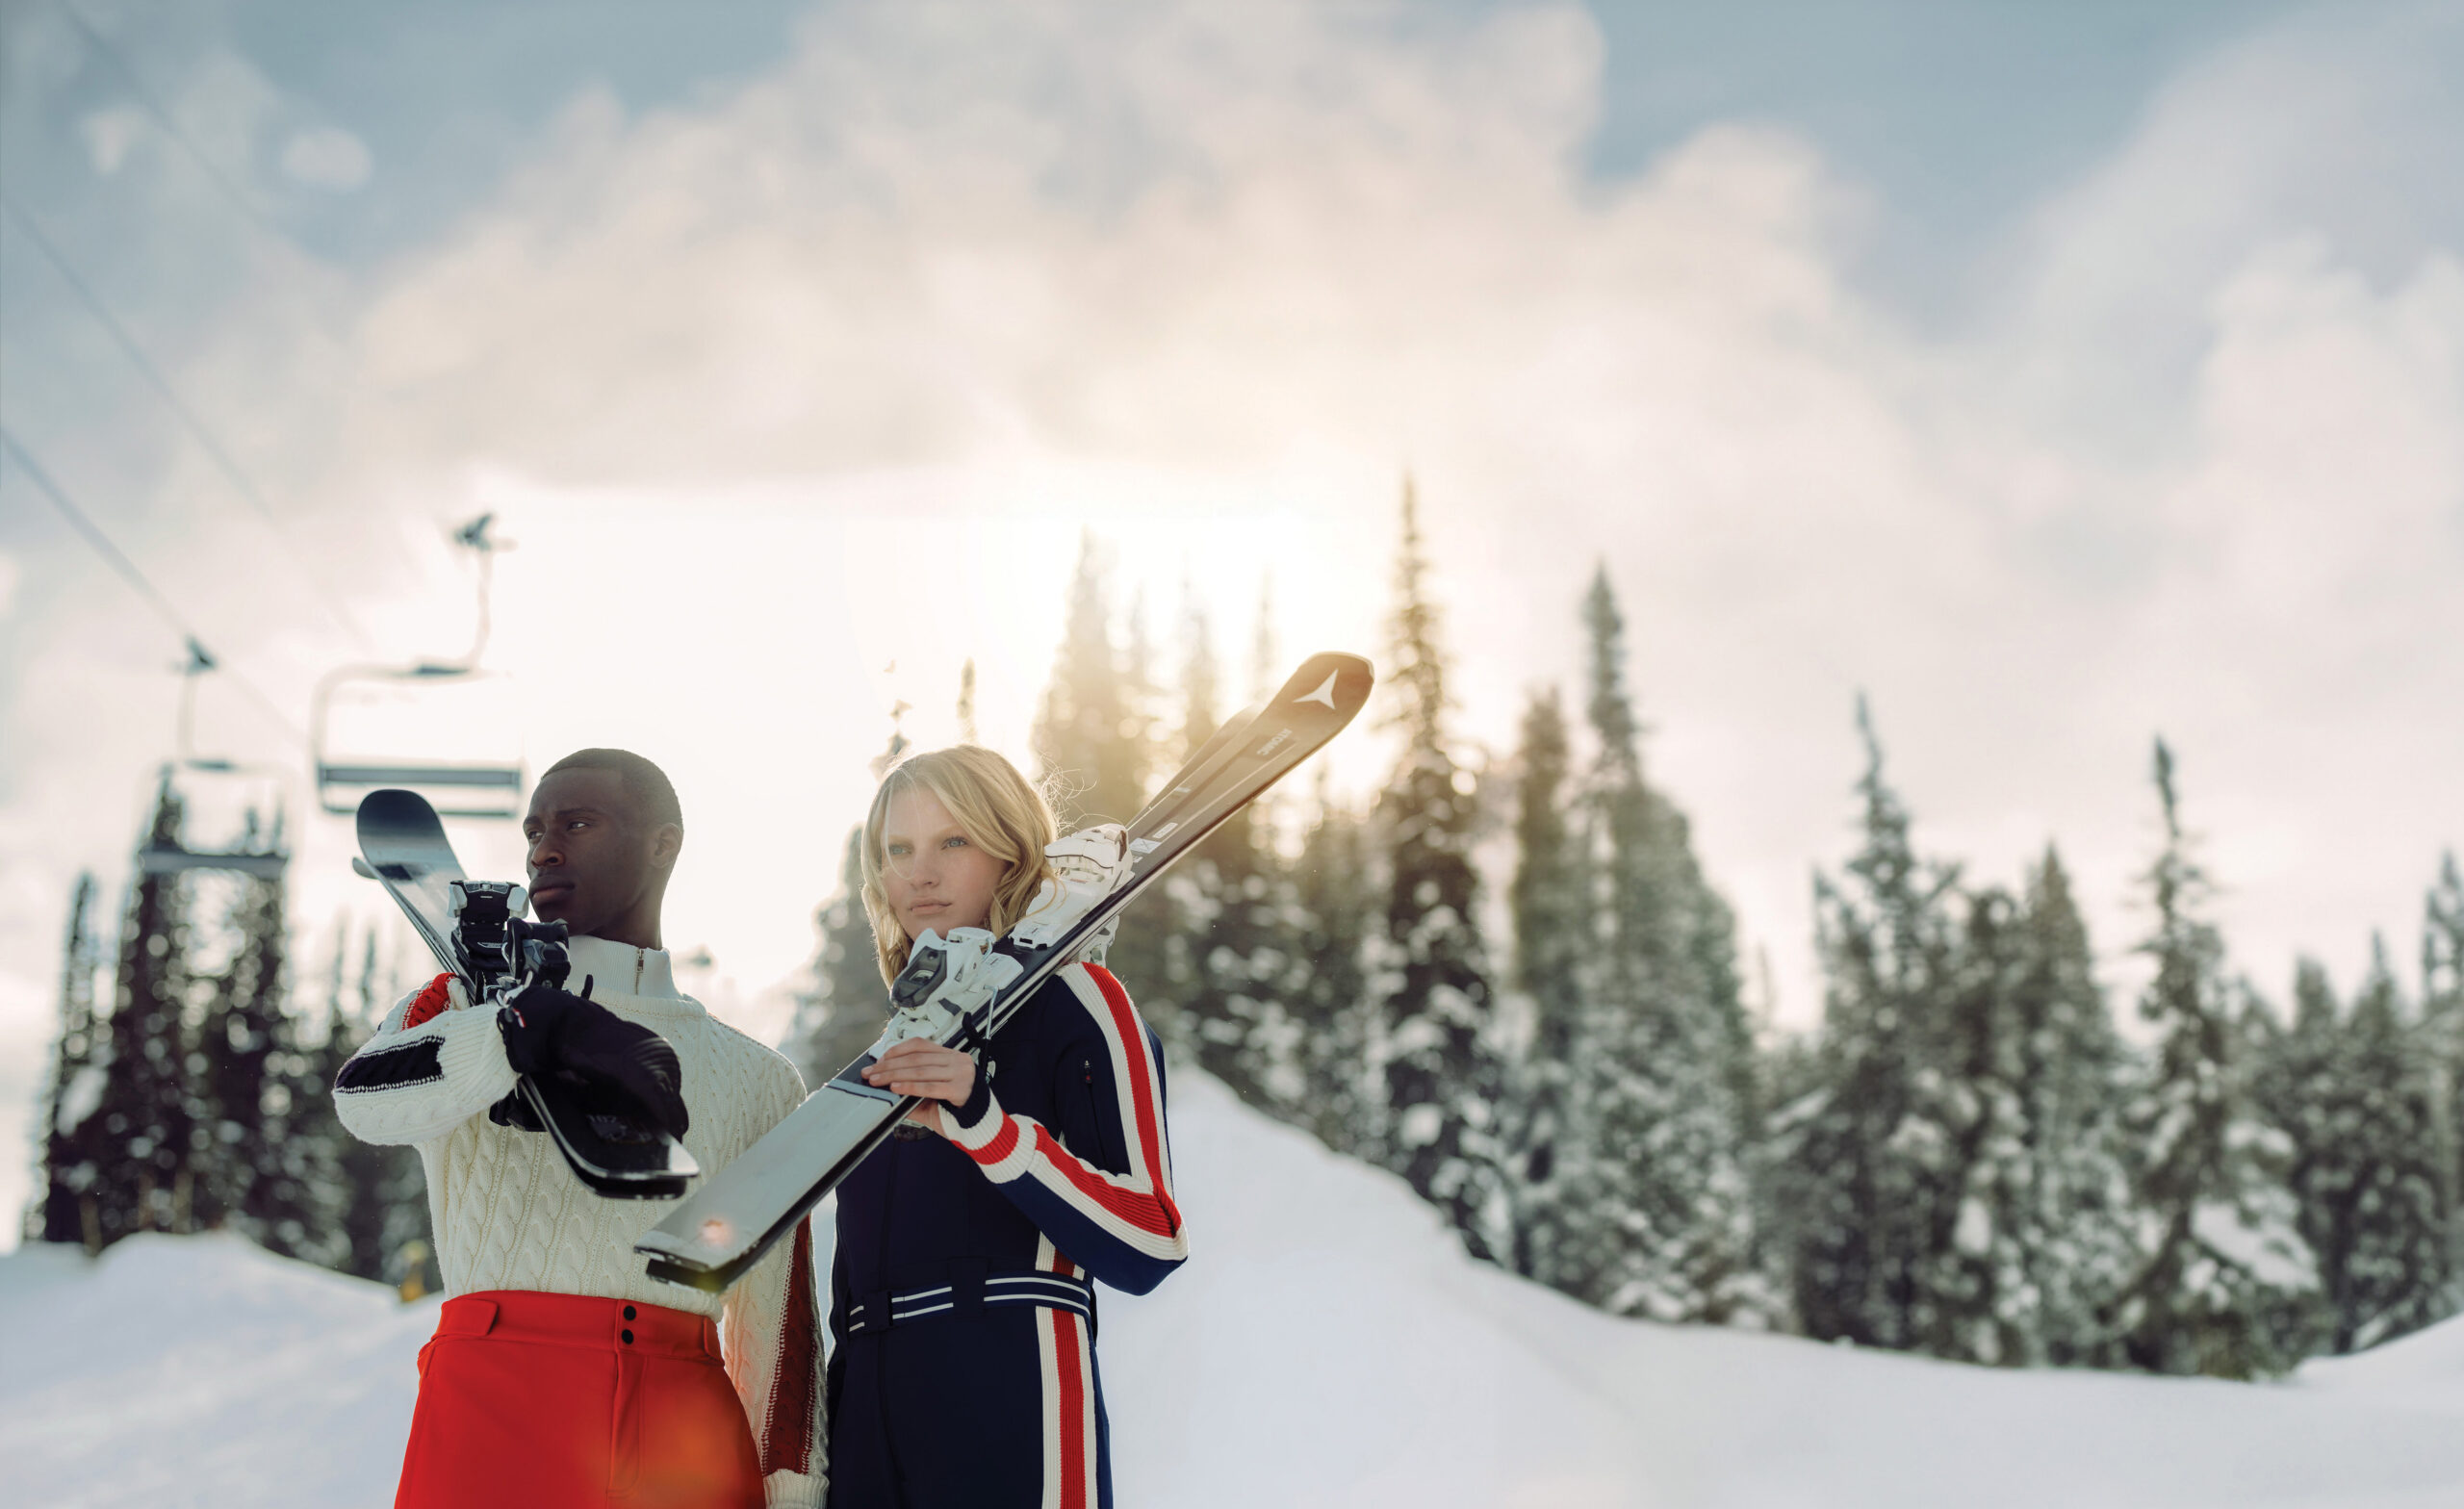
x=647 y=787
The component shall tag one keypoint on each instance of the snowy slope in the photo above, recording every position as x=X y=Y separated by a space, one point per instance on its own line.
x=1326 y=1344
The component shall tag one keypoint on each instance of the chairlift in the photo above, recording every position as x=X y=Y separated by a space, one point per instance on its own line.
x=242 y=802
x=448 y=729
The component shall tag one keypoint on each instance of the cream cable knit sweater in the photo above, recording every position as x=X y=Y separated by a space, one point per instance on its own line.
x=507 y=1213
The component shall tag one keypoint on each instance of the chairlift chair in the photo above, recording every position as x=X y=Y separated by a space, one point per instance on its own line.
x=447 y=730
x=244 y=802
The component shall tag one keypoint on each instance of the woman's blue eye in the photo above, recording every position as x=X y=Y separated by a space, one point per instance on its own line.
x=954 y=839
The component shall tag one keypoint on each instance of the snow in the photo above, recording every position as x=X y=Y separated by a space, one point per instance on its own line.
x=1326 y=1344
x=78 y=1101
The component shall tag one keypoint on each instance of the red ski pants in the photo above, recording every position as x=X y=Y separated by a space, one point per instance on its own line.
x=563 y=1401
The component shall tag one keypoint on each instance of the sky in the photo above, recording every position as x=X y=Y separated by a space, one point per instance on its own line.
x=2053 y=376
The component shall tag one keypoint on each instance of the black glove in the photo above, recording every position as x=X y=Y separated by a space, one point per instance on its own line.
x=616 y=1067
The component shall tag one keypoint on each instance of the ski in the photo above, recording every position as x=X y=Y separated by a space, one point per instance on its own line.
x=475 y=929
x=747 y=1208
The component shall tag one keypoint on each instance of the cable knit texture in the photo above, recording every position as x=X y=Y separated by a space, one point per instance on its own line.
x=507 y=1213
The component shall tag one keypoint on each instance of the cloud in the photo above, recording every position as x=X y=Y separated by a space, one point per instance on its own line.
x=327 y=157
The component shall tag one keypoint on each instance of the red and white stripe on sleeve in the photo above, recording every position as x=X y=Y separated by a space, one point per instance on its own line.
x=1122 y=1225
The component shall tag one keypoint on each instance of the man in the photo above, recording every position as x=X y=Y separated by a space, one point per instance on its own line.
x=560 y=1375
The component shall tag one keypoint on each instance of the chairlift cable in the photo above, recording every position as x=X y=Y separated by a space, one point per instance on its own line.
x=118 y=560
x=197 y=426
x=230 y=188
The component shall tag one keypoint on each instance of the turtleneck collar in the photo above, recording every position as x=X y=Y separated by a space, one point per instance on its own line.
x=621 y=968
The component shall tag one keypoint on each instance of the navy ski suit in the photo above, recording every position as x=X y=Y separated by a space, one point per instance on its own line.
x=961 y=1308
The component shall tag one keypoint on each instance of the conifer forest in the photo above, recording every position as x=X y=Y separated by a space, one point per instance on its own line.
x=1981 y=1152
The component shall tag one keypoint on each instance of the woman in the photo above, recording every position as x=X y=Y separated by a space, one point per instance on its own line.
x=961 y=1297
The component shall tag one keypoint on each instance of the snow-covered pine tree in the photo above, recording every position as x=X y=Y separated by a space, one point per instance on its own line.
x=2221 y=1259
x=382 y=1191
x=1326 y=987
x=1441 y=1075
x=1093 y=741
x=2396 y=1275
x=1975 y=1297
x=145 y=1171
x=2037 y=1239
x=2072 y=1070
x=2296 y=1077
x=1185 y=911
x=65 y=1207
x=1865 y=1167
x=1655 y=1161
x=300 y=1195
x=243 y=1030
x=1553 y=925
x=842 y=1011
x=1234 y=914
x=2442 y=1034
x=1090 y=733
x=2348 y=1092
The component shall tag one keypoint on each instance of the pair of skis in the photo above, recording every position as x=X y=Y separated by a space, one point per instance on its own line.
x=738 y=1214
x=747 y=1208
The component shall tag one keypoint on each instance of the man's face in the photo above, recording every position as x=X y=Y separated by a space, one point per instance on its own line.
x=592 y=858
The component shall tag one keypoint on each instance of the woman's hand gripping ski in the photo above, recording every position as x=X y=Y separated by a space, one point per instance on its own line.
x=920 y=1066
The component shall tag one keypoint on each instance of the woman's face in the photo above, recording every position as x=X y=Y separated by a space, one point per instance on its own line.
x=933 y=873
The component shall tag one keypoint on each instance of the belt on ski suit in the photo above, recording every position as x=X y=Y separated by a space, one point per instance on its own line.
x=571 y=1401
x=967 y=1294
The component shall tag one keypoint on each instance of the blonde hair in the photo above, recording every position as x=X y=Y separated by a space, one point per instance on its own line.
x=998 y=810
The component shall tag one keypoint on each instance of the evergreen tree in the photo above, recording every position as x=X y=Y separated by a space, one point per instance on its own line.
x=1092 y=734
x=2222 y=1255
x=843 y=1011
x=1655 y=1165
x=2364 y=1169
x=382 y=1191
x=1326 y=988
x=1442 y=1077
x=2032 y=1240
x=144 y=1167
x=1266 y=675
x=2072 y=1070
x=1093 y=739
x=68 y=1209
x=2442 y=1037
x=2398 y=1274
x=244 y=1030
x=1973 y=1281
x=1234 y=914
x=1551 y=928
x=1867 y=1168
x=2296 y=1083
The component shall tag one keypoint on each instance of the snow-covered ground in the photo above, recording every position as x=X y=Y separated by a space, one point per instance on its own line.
x=1327 y=1345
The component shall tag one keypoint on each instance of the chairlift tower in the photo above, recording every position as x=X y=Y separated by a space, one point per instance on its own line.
x=447 y=730
x=257 y=790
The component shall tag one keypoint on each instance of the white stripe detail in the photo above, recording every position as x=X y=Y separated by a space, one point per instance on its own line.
x=897 y=1316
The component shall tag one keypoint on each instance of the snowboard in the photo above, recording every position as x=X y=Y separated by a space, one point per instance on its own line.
x=749 y=1206
x=475 y=931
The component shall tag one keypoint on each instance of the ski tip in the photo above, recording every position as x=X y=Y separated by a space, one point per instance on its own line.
x=359 y=867
x=393 y=810
x=1333 y=679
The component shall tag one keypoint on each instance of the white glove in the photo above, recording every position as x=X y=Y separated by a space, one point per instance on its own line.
x=1088 y=866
